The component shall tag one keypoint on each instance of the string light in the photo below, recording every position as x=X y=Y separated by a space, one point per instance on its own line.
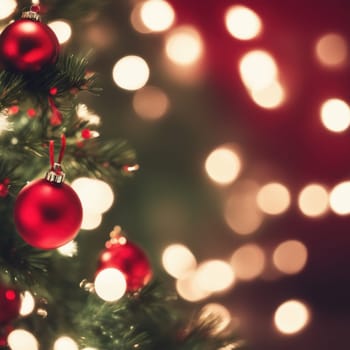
x=189 y=290
x=335 y=115
x=91 y=220
x=27 y=304
x=65 y=343
x=313 y=200
x=157 y=15
x=269 y=97
x=20 y=339
x=62 y=30
x=110 y=284
x=339 y=198
x=7 y=8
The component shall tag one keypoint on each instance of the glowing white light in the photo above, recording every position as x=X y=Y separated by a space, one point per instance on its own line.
x=291 y=317
x=248 y=261
x=65 y=343
x=340 y=198
x=273 y=198
x=184 y=45
x=223 y=165
x=332 y=50
x=110 y=284
x=150 y=103
x=85 y=114
x=27 y=304
x=91 y=220
x=62 y=30
x=70 y=249
x=157 y=15
x=214 y=276
x=96 y=196
x=313 y=200
x=189 y=290
x=5 y=125
x=7 y=8
x=90 y=349
x=258 y=70
x=20 y=339
x=131 y=73
x=270 y=97
x=242 y=22
x=335 y=115
x=217 y=313
x=178 y=260
x=290 y=257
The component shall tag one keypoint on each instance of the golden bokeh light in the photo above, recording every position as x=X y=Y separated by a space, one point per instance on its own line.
x=335 y=115
x=110 y=284
x=290 y=257
x=258 y=70
x=131 y=73
x=223 y=165
x=214 y=276
x=242 y=22
x=216 y=313
x=184 y=45
x=65 y=343
x=7 y=8
x=269 y=97
x=20 y=339
x=339 y=198
x=188 y=289
x=62 y=29
x=27 y=303
x=91 y=220
x=150 y=103
x=332 y=50
x=178 y=260
x=313 y=200
x=291 y=317
x=242 y=214
x=248 y=261
x=273 y=198
x=157 y=15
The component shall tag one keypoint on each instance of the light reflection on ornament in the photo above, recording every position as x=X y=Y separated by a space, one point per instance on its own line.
x=131 y=73
x=7 y=8
x=65 y=343
x=340 y=198
x=332 y=50
x=269 y=97
x=20 y=339
x=273 y=198
x=290 y=257
x=62 y=29
x=184 y=45
x=335 y=114
x=110 y=284
x=178 y=260
x=313 y=200
x=291 y=317
x=242 y=22
x=157 y=15
x=27 y=304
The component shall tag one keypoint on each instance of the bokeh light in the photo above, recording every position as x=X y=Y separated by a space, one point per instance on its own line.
x=269 y=97
x=242 y=214
x=339 y=198
x=242 y=22
x=157 y=15
x=223 y=165
x=62 y=29
x=335 y=114
x=189 y=290
x=258 y=70
x=291 y=317
x=216 y=313
x=20 y=339
x=65 y=343
x=27 y=303
x=184 y=45
x=110 y=284
x=332 y=50
x=273 y=198
x=7 y=8
x=96 y=196
x=70 y=249
x=90 y=220
x=290 y=257
x=131 y=73
x=313 y=200
x=214 y=276
x=248 y=261
x=178 y=260
x=150 y=103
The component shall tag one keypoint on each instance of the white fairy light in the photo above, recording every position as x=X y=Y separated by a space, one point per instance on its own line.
x=65 y=343
x=27 y=304
x=20 y=339
x=110 y=284
x=70 y=249
x=85 y=114
x=62 y=30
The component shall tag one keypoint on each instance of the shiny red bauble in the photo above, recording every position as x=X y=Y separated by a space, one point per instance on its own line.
x=28 y=46
x=47 y=215
x=10 y=304
x=130 y=260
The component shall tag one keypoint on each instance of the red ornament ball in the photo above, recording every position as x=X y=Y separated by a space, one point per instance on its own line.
x=10 y=303
x=129 y=259
x=28 y=46
x=47 y=215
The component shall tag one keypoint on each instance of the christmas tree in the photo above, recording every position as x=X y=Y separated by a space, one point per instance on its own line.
x=51 y=296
